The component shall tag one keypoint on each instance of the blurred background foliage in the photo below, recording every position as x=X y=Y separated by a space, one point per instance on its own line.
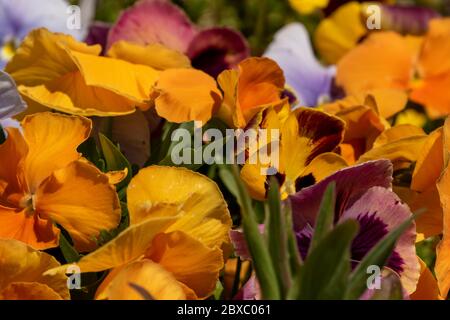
x=258 y=20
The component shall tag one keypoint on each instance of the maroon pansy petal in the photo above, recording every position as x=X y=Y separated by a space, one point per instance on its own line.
x=240 y=244
x=406 y=19
x=351 y=184
x=154 y=21
x=217 y=49
x=98 y=34
x=379 y=211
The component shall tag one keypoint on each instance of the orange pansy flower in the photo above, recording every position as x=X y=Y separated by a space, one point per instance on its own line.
x=44 y=182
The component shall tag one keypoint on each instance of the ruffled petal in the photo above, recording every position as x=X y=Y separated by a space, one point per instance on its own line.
x=165 y=191
x=94 y=208
x=22 y=264
x=154 y=21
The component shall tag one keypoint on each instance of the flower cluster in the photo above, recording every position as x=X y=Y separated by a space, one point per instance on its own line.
x=93 y=205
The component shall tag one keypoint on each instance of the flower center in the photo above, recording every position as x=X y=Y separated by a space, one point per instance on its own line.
x=27 y=202
x=8 y=50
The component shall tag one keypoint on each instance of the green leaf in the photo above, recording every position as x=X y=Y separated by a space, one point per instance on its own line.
x=325 y=217
x=325 y=272
x=90 y=151
x=70 y=254
x=277 y=240
x=377 y=256
x=114 y=159
x=228 y=180
x=259 y=251
x=218 y=291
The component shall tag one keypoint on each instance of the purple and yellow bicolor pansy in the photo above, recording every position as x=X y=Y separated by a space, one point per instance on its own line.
x=157 y=21
x=307 y=140
x=363 y=193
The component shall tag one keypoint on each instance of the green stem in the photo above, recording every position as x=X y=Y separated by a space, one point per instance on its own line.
x=262 y=261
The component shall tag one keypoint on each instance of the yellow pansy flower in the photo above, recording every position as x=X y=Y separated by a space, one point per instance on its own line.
x=22 y=274
x=179 y=223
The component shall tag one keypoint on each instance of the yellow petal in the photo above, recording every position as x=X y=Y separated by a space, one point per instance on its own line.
x=150 y=277
x=131 y=81
x=42 y=57
x=20 y=263
x=166 y=191
x=190 y=261
x=154 y=55
x=227 y=81
x=52 y=140
x=396 y=133
x=324 y=165
x=308 y=6
x=400 y=152
x=306 y=134
x=126 y=247
x=56 y=71
x=28 y=291
x=183 y=95
x=340 y=32
x=80 y=199
x=254 y=180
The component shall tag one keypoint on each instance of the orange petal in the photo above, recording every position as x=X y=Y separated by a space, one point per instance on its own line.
x=190 y=261
x=433 y=59
x=429 y=223
x=427 y=288
x=29 y=228
x=23 y=267
x=430 y=162
x=14 y=150
x=183 y=95
x=260 y=83
x=153 y=55
x=384 y=60
x=442 y=267
x=53 y=140
x=432 y=92
x=94 y=208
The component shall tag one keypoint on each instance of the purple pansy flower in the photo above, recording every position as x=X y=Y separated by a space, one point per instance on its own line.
x=363 y=193
x=159 y=21
x=11 y=103
x=310 y=82
x=19 y=17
